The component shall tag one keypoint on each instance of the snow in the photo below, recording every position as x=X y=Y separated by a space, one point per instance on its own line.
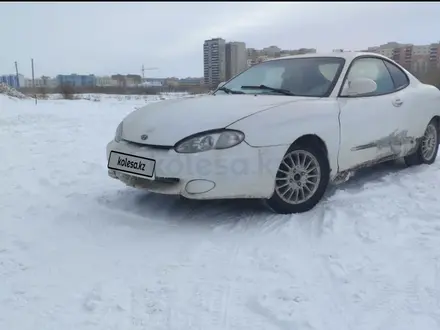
x=11 y=92
x=81 y=251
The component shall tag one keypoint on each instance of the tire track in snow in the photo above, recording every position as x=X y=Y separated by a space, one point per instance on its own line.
x=255 y=306
x=213 y=299
x=229 y=291
x=150 y=307
x=383 y=236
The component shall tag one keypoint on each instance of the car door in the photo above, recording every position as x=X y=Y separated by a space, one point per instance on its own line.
x=372 y=126
x=407 y=99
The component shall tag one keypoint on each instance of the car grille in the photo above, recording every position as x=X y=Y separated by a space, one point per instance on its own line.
x=159 y=184
x=152 y=146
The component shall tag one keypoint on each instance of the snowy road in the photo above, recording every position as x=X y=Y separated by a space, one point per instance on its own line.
x=79 y=250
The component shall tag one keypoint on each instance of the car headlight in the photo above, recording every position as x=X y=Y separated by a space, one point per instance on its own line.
x=210 y=140
x=118 y=134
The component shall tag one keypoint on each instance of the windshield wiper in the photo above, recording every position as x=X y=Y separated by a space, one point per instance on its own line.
x=272 y=89
x=229 y=91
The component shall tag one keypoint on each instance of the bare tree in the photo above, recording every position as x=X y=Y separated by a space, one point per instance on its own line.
x=67 y=91
x=432 y=77
x=42 y=93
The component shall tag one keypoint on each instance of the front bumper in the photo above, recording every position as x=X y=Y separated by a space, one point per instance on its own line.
x=239 y=172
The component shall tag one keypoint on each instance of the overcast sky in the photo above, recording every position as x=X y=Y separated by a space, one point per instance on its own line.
x=108 y=38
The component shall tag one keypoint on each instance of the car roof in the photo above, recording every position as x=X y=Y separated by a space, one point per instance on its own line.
x=349 y=56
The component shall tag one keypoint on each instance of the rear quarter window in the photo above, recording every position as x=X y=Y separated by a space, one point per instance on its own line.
x=399 y=77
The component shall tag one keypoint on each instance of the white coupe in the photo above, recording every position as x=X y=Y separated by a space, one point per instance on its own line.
x=280 y=131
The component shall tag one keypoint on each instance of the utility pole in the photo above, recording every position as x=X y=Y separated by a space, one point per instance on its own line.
x=33 y=76
x=33 y=79
x=16 y=74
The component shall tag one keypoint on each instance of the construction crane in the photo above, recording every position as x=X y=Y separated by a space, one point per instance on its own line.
x=146 y=69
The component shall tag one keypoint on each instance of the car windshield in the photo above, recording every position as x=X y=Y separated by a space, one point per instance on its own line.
x=308 y=76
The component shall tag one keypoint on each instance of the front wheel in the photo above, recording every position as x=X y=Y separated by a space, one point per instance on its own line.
x=427 y=150
x=301 y=180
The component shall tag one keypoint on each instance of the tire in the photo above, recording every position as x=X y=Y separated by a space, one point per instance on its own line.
x=427 y=149
x=289 y=186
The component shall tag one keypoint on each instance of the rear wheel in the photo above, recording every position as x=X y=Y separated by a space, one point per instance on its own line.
x=301 y=180
x=427 y=150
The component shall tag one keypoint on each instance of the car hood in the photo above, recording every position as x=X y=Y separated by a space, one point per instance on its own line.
x=170 y=121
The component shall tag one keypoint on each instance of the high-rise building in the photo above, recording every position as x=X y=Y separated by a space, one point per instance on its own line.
x=419 y=59
x=271 y=51
x=76 y=80
x=214 y=61
x=434 y=55
x=13 y=80
x=252 y=53
x=255 y=56
x=236 y=58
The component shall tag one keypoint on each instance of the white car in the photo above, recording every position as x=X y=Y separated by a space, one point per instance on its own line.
x=280 y=131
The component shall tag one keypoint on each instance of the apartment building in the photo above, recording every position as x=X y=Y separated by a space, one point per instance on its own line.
x=214 y=61
x=106 y=81
x=76 y=80
x=418 y=59
x=299 y=51
x=190 y=81
x=385 y=49
x=129 y=80
x=13 y=80
x=434 y=55
x=255 y=56
x=236 y=58
x=252 y=54
x=42 y=82
x=271 y=51
x=275 y=51
x=157 y=82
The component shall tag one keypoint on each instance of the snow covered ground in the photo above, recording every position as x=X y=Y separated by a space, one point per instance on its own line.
x=111 y=97
x=80 y=251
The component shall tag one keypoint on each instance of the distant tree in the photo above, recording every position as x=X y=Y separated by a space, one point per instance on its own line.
x=45 y=80
x=432 y=77
x=42 y=93
x=67 y=91
x=136 y=78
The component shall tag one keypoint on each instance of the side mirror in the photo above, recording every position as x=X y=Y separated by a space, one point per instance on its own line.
x=359 y=86
x=221 y=84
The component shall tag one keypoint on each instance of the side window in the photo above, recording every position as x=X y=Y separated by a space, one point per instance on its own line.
x=399 y=77
x=375 y=69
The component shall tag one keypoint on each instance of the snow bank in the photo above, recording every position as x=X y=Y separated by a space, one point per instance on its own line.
x=11 y=92
x=79 y=250
x=147 y=98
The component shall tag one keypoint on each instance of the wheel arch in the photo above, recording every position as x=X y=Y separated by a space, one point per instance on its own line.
x=416 y=157
x=312 y=140
x=437 y=119
x=306 y=141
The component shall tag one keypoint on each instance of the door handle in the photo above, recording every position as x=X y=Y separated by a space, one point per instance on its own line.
x=397 y=102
